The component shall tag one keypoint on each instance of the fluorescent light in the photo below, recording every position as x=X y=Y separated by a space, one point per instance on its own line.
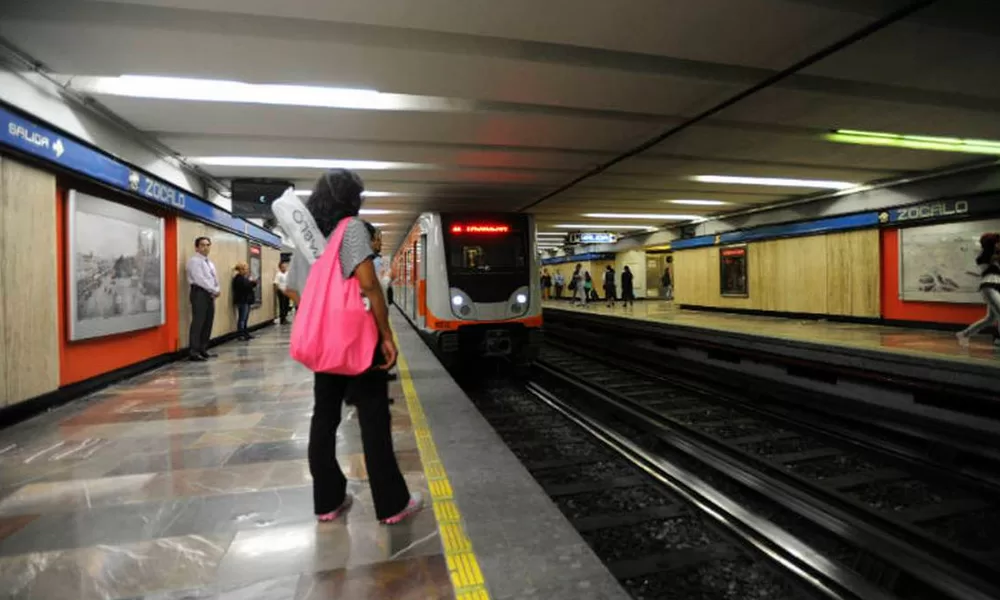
x=914 y=142
x=216 y=90
x=375 y=211
x=776 y=181
x=608 y=227
x=366 y=194
x=550 y=234
x=639 y=216
x=303 y=163
x=698 y=202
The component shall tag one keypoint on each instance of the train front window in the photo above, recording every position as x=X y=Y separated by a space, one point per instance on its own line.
x=487 y=254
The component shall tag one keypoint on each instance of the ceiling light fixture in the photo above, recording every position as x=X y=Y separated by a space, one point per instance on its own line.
x=606 y=227
x=647 y=217
x=216 y=90
x=914 y=142
x=303 y=163
x=776 y=181
x=698 y=202
x=366 y=194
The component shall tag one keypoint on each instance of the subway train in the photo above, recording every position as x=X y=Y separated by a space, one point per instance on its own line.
x=469 y=284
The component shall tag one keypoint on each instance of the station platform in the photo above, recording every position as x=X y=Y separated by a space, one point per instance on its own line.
x=922 y=373
x=191 y=482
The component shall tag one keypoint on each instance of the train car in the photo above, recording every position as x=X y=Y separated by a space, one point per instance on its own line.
x=469 y=284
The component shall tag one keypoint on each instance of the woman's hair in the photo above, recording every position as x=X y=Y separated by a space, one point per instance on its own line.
x=372 y=232
x=989 y=243
x=337 y=195
x=238 y=266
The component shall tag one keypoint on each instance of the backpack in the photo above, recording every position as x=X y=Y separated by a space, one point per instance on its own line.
x=333 y=332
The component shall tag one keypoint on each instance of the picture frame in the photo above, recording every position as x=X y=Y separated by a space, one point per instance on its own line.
x=115 y=271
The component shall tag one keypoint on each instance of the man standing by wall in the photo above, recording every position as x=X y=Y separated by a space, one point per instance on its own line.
x=280 y=285
x=204 y=290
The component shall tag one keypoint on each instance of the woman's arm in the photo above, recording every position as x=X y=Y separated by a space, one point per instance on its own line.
x=372 y=288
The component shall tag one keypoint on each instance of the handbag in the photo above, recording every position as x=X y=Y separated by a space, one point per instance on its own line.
x=334 y=331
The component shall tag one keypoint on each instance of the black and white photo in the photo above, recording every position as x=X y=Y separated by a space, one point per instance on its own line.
x=116 y=271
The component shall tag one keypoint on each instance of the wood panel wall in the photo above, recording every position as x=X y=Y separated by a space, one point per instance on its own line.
x=834 y=274
x=29 y=303
x=227 y=250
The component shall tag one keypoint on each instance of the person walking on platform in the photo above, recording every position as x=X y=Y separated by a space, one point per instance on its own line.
x=609 y=286
x=243 y=298
x=280 y=287
x=559 y=282
x=628 y=295
x=546 y=283
x=204 y=290
x=588 y=286
x=337 y=196
x=988 y=265
x=668 y=287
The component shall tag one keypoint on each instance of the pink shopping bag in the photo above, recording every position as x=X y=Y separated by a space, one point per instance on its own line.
x=333 y=331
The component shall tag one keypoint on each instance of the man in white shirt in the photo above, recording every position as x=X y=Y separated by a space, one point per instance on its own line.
x=280 y=286
x=204 y=290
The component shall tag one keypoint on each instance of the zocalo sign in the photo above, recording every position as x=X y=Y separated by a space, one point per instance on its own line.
x=939 y=210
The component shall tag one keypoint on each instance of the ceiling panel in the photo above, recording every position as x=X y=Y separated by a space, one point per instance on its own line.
x=548 y=91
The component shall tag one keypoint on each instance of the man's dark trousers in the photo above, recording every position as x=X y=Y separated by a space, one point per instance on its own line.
x=202 y=316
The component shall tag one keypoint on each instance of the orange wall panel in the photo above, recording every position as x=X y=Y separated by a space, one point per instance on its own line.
x=89 y=358
x=931 y=312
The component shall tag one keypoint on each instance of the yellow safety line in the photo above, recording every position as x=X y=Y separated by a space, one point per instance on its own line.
x=466 y=577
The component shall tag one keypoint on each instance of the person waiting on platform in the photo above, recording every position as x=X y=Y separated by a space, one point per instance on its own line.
x=576 y=286
x=609 y=286
x=280 y=287
x=205 y=289
x=338 y=196
x=546 y=282
x=243 y=298
x=559 y=281
x=668 y=287
x=988 y=266
x=628 y=295
x=382 y=268
x=588 y=286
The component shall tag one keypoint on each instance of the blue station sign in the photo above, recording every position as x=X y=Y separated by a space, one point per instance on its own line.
x=46 y=144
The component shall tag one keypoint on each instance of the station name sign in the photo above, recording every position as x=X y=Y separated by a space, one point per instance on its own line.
x=592 y=238
x=940 y=210
x=41 y=142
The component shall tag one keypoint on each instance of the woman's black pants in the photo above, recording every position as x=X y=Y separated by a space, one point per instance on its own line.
x=370 y=394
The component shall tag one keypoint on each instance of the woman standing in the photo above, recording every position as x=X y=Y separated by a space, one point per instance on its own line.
x=546 y=284
x=337 y=196
x=988 y=265
x=576 y=286
x=243 y=298
x=628 y=296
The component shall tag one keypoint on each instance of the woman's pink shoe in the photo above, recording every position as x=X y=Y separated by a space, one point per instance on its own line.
x=332 y=516
x=415 y=504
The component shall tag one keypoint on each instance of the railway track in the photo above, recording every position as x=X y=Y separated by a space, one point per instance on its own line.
x=836 y=517
x=688 y=494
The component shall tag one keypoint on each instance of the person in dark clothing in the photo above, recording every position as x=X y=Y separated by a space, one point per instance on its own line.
x=280 y=285
x=668 y=287
x=628 y=296
x=609 y=286
x=243 y=298
x=204 y=290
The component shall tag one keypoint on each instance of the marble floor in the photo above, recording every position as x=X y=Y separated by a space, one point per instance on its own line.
x=928 y=344
x=191 y=482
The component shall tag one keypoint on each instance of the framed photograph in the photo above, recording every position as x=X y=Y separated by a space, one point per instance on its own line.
x=115 y=268
x=937 y=263
x=254 y=262
x=733 y=279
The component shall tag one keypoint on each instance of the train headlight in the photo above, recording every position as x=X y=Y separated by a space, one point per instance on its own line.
x=457 y=300
x=517 y=304
x=461 y=305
